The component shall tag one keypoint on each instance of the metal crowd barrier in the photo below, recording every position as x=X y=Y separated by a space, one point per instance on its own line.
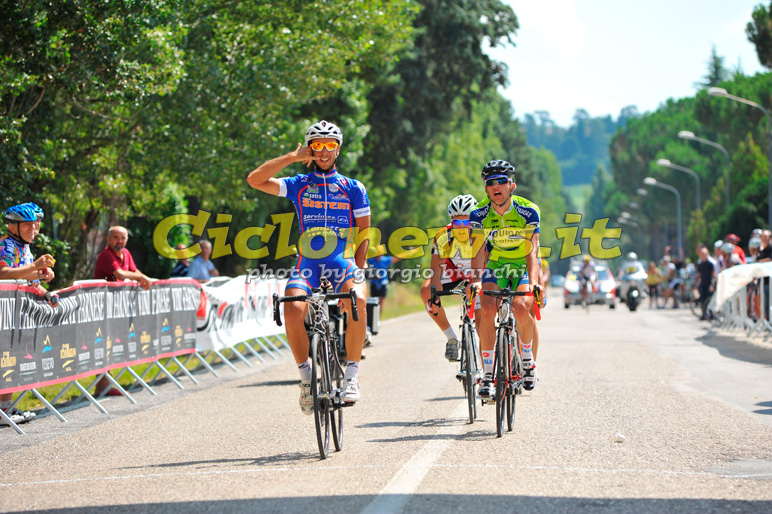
x=746 y=310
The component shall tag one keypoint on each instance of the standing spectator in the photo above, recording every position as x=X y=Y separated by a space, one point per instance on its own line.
x=731 y=257
x=379 y=276
x=754 y=247
x=653 y=279
x=706 y=268
x=17 y=263
x=115 y=264
x=765 y=255
x=202 y=268
x=673 y=280
x=181 y=268
x=735 y=240
x=718 y=255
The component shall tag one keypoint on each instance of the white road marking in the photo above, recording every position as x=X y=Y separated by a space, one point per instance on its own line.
x=394 y=495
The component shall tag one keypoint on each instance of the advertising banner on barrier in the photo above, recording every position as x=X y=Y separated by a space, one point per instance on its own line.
x=237 y=310
x=97 y=326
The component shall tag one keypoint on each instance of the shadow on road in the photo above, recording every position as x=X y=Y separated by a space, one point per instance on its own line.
x=764 y=411
x=272 y=383
x=271 y=460
x=438 y=503
x=735 y=348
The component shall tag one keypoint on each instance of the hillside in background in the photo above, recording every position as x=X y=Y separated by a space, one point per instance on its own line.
x=580 y=148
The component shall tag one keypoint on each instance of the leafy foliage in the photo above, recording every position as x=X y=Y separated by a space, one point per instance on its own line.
x=759 y=32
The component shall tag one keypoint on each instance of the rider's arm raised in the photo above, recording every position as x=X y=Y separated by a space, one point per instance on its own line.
x=263 y=179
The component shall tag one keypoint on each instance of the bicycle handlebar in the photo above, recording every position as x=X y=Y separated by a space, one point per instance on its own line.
x=351 y=295
x=458 y=292
x=507 y=293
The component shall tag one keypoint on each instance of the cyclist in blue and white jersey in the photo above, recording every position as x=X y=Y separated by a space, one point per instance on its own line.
x=329 y=206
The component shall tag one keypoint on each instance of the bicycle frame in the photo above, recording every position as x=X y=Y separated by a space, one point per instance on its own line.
x=469 y=362
x=326 y=370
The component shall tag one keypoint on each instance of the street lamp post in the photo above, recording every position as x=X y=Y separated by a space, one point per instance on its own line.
x=667 y=164
x=686 y=134
x=649 y=181
x=717 y=91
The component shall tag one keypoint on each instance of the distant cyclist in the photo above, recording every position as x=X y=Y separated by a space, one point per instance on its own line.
x=451 y=264
x=588 y=273
x=328 y=206
x=510 y=225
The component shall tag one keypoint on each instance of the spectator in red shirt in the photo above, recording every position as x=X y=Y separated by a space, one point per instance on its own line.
x=115 y=262
x=735 y=240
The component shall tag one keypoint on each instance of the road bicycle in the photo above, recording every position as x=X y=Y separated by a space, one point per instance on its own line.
x=589 y=295
x=469 y=360
x=507 y=364
x=326 y=369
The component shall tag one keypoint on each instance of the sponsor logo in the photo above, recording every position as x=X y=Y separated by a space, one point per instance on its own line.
x=166 y=326
x=28 y=368
x=84 y=357
x=47 y=344
x=66 y=352
x=98 y=336
x=334 y=188
x=99 y=353
x=7 y=360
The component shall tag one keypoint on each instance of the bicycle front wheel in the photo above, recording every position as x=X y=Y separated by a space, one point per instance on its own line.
x=467 y=358
x=320 y=388
x=501 y=380
x=336 y=408
x=516 y=374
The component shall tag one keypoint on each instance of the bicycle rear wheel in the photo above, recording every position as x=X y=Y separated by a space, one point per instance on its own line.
x=501 y=380
x=467 y=359
x=336 y=408
x=320 y=387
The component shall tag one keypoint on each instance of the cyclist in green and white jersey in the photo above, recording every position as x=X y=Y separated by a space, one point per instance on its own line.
x=510 y=225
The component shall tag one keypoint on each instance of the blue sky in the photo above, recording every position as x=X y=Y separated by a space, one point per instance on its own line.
x=603 y=55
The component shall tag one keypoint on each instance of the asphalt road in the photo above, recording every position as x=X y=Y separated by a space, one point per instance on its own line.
x=694 y=408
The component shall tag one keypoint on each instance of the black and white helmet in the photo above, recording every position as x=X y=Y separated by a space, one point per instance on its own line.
x=495 y=169
x=322 y=129
x=462 y=205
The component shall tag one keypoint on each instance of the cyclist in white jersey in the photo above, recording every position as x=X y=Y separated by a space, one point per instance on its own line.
x=451 y=265
x=587 y=274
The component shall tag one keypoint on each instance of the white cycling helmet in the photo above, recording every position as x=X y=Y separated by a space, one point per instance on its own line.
x=322 y=129
x=462 y=205
x=632 y=256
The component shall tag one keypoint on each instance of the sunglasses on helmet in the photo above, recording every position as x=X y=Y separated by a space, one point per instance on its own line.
x=319 y=146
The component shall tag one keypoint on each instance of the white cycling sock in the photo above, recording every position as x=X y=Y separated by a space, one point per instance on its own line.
x=527 y=351
x=449 y=333
x=352 y=369
x=305 y=371
x=487 y=356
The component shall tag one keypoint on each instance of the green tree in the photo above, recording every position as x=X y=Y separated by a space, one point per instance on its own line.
x=759 y=32
x=717 y=72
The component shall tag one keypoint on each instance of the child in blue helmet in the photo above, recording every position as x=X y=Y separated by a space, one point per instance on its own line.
x=17 y=263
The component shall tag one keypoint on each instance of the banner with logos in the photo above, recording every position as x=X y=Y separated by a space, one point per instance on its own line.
x=235 y=310
x=97 y=326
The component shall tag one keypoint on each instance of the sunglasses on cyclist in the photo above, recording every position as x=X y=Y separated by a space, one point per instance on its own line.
x=319 y=146
x=460 y=223
x=496 y=181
